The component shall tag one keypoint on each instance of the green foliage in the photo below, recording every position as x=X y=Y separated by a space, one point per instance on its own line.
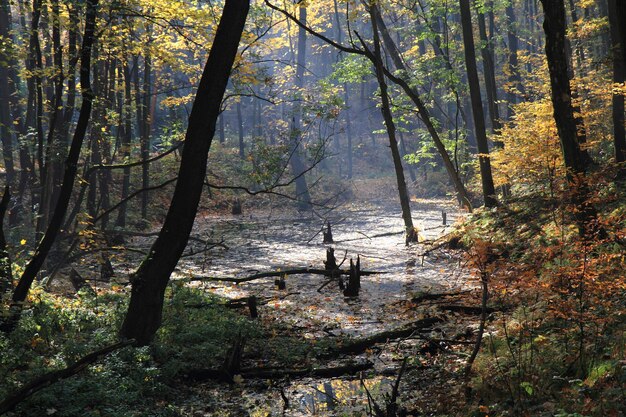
x=56 y=331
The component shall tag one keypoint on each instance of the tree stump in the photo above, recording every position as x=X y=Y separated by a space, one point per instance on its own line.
x=354 y=280
x=281 y=284
x=236 y=209
x=79 y=283
x=232 y=362
x=252 y=307
x=328 y=234
x=330 y=264
x=444 y=217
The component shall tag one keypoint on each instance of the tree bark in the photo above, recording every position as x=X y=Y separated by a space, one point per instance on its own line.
x=489 y=192
x=143 y=317
x=555 y=27
x=617 y=14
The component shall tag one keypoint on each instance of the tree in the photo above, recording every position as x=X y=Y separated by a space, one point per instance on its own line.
x=422 y=110
x=143 y=317
x=554 y=26
x=71 y=165
x=489 y=193
x=297 y=166
x=377 y=60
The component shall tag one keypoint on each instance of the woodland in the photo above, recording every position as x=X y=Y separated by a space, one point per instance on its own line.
x=378 y=208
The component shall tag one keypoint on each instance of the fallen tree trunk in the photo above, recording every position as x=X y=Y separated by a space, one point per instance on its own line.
x=429 y=296
x=51 y=377
x=280 y=273
x=276 y=373
x=475 y=310
x=357 y=346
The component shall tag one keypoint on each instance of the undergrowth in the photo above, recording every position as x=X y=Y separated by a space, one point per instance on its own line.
x=55 y=331
x=561 y=347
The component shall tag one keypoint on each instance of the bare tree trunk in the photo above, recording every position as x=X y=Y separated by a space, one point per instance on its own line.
x=411 y=233
x=617 y=14
x=514 y=77
x=489 y=193
x=126 y=144
x=150 y=280
x=490 y=76
x=297 y=165
x=242 y=150
x=422 y=110
x=145 y=134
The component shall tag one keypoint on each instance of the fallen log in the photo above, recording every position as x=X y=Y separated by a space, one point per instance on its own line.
x=429 y=296
x=357 y=346
x=475 y=310
x=269 y=274
x=277 y=373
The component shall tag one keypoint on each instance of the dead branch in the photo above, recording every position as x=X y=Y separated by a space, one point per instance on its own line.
x=357 y=346
x=280 y=273
x=134 y=233
x=436 y=296
x=277 y=373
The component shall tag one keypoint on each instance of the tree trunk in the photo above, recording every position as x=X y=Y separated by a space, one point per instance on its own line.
x=514 y=77
x=617 y=14
x=145 y=133
x=422 y=110
x=555 y=28
x=149 y=282
x=411 y=233
x=490 y=77
x=242 y=149
x=126 y=144
x=489 y=193
x=569 y=134
x=71 y=164
x=297 y=165
x=6 y=276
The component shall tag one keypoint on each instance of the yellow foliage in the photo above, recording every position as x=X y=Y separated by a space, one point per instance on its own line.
x=532 y=152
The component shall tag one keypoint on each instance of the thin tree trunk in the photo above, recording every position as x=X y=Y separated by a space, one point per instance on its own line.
x=490 y=77
x=297 y=165
x=71 y=165
x=150 y=281
x=411 y=233
x=515 y=84
x=242 y=150
x=422 y=110
x=617 y=14
x=489 y=193
x=126 y=144
x=145 y=134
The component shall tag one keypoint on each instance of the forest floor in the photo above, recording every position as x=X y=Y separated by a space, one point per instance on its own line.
x=319 y=317
x=311 y=351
